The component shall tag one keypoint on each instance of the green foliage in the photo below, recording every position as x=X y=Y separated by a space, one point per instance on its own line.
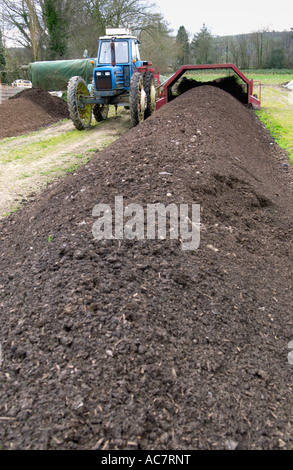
x=56 y=22
x=15 y=58
x=2 y=59
x=201 y=46
x=182 y=42
x=277 y=59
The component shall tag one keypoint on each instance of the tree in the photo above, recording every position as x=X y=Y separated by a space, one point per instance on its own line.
x=277 y=59
x=34 y=27
x=288 y=48
x=96 y=15
x=41 y=26
x=258 y=39
x=183 y=45
x=201 y=45
x=159 y=47
x=239 y=48
x=56 y=22
x=2 y=58
x=15 y=58
x=21 y=18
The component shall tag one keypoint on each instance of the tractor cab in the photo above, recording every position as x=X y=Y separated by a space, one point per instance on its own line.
x=118 y=58
x=125 y=49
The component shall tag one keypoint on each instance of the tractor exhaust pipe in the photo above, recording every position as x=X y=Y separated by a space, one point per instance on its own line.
x=113 y=58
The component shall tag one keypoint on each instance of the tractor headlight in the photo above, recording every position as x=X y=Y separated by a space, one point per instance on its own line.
x=107 y=73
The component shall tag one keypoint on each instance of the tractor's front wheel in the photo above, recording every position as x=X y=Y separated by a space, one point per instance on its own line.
x=137 y=99
x=80 y=113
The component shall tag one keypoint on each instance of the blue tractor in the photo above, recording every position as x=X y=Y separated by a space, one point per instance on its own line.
x=120 y=78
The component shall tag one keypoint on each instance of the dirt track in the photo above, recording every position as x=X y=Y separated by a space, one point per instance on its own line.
x=129 y=344
x=32 y=159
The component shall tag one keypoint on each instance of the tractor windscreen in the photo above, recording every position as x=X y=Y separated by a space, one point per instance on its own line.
x=121 y=52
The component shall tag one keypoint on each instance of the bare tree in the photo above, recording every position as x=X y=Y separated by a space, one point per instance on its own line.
x=259 y=42
x=34 y=26
x=96 y=15
x=38 y=25
x=239 y=49
x=22 y=24
x=159 y=47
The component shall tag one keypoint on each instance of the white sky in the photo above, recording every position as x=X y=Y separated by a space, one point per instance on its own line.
x=225 y=17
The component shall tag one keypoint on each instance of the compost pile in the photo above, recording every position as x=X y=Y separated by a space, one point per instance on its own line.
x=138 y=344
x=229 y=84
x=29 y=110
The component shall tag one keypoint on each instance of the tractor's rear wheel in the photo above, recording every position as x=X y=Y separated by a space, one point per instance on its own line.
x=137 y=99
x=80 y=113
x=150 y=89
x=100 y=112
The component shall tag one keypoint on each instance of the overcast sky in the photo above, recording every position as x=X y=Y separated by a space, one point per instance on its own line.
x=225 y=17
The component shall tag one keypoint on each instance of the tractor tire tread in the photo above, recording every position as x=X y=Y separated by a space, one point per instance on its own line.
x=72 y=103
x=147 y=80
x=134 y=98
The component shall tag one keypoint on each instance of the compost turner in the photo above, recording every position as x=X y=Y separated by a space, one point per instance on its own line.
x=249 y=96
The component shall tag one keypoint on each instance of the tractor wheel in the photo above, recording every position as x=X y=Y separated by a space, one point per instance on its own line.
x=80 y=114
x=137 y=99
x=100 y=112
x=150 y=89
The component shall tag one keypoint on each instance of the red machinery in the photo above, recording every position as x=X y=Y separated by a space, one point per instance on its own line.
x=166 y=93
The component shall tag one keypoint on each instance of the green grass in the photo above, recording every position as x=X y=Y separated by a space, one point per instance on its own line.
x=36 y=150
x=266 y=77
x=276 y=114
x=277 y=106
x=269 y=76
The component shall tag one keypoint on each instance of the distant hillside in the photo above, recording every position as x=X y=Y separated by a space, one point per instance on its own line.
x=259 y=49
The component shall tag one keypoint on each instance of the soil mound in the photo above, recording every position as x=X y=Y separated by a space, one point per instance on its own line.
x=30 y=110
x=138 y=344
x=228 y=84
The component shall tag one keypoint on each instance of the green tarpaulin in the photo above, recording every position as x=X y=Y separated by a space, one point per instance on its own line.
x=54 y=75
